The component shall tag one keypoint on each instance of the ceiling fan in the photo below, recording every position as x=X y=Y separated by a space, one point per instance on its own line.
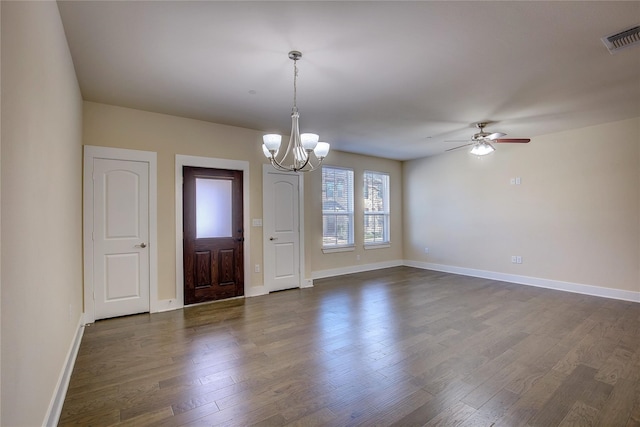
x=482 y=140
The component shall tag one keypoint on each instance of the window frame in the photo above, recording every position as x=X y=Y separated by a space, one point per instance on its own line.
x=385 y=213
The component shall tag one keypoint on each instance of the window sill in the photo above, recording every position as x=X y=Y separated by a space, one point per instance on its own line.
x=377 y=246
x=330 y=250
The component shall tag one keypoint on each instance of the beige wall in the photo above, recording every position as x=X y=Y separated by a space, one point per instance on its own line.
x=317 y=262
x=41 y=209
x=574 y=218
x=110 y=126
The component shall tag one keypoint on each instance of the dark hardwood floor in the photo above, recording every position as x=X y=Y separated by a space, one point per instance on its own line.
x=399 y=346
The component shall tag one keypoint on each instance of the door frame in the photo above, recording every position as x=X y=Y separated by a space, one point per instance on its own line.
x=211 y=163
x=94 y=152
x=303 y=281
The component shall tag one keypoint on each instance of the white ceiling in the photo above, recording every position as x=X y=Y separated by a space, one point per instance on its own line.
x=391 y=79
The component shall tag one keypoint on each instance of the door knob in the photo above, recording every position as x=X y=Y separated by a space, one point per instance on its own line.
x=273 y=238
x=141 y=245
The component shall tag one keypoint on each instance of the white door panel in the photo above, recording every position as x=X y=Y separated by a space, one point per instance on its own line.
x=281 y=229
x=120 y=237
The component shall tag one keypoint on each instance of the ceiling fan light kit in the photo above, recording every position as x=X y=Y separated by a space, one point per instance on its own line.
x=482 y=149
x=297 y=157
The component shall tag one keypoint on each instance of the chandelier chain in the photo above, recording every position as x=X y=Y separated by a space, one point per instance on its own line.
x=295 y=84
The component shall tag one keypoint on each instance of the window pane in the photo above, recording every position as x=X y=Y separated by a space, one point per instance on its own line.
x=337 y=230
x=337 y=206
x=213 y=208
x=375 y=227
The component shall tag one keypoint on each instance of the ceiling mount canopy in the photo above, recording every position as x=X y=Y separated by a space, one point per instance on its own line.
x=297 y=157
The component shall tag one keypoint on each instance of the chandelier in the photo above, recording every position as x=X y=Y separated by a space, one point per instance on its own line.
x=297 y=157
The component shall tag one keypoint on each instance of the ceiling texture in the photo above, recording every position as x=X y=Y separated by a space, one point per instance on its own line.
x=389 y=79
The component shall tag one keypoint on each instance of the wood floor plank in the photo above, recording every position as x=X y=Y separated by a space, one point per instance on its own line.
x=561 y=401
x=579 y=415
x=617 y=410
x=399 y=346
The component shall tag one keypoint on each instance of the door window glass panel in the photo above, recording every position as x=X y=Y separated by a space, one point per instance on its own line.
x=213 y=208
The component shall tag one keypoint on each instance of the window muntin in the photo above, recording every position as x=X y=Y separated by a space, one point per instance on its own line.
x=376 y=208
x=337 y=207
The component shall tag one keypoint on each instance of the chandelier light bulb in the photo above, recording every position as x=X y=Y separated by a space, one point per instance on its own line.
x=321 y=150
x=272 y=141
x=309 y=140
x=266 y=152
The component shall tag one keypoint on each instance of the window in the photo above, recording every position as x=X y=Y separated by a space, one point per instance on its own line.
x=337 y=207
x=376 y=208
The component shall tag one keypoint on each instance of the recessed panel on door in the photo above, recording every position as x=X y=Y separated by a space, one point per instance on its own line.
x=283 y=193
x=285 y=261
x=122 y=204
x=122 y=276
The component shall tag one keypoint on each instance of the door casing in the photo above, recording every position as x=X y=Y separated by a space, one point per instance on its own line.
x=213 y=163
x=94 y=152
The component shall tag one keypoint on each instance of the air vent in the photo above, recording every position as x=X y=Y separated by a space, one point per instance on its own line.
x=623 y=39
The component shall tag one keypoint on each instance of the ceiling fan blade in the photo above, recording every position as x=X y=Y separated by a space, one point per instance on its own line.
x=455 y=148
x=495 y=135
x=521 y=140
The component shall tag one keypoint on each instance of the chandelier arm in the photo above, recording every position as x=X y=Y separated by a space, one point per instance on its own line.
x=276 y=164
x=306 y=162
x=312 y=167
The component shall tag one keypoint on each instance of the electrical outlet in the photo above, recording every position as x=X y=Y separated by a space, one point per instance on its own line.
x=426 y=250
x=256 y=268
x=357 y=257
x=518 y=259
x=514 y=259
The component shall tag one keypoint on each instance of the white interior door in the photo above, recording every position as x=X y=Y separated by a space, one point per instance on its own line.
x=281 y=230
x=120 y=237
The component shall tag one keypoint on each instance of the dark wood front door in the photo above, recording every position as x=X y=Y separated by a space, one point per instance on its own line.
x=213 y=234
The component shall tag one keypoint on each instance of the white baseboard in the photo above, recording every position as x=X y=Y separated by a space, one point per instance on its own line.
x=531 y=281
x=55 y=406
x=256 y=291
x=321 y=274
x=167 y=305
